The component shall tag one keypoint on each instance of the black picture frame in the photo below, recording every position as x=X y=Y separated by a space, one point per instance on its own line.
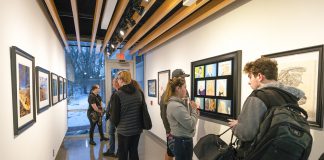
x=229 y=95
x=54 y=88
x=60 y=89
x=23 y=89
x=163 y=79
x=151 y=88
x=304 y=65
x=41 y=91
x=64 y=88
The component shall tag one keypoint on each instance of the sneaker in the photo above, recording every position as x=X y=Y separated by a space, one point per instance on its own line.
x=91 y=142
x=109 y=154
x=104 y=139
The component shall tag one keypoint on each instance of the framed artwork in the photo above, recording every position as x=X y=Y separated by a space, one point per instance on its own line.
x=54 y=87
x=23 y=94
x=216 y=86
x=42 y=89
x=60 y=84
x=64 y=88
x=210 y=70
x=303 y=69
x=163 y=78
x=151 y=87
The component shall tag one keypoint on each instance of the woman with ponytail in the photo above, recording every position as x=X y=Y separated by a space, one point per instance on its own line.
x=182 y=119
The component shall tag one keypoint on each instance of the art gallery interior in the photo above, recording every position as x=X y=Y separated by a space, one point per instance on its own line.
x=153 y=37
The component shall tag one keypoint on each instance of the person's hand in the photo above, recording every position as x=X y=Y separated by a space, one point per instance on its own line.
x=193 y=105
x=232 y=122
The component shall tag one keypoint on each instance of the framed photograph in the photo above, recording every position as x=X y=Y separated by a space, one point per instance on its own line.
x=210 y=70
x=218 y=91
x=199 y=102
x=163 y=78
x=199 y=72
x=23 y=94
x=151 y=87
x=201 y=88
x=225 y=68
x=210 y=87
x=54 y=87
x=42 y=89
x=64 y=88
x=224 y=106
x=303 y=69
x=210 y=104
x=60 y=96
x=221 y=87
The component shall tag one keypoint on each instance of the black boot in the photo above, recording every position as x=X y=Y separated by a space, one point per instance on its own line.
x=91 y=142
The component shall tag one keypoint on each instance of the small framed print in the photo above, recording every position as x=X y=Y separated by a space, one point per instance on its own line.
x=221 y=87
x=224 y=106
x=225 y=68
x=151 y=87
x=210 y=70
x=210 y=87
x=60 y=96
x=43 y=81
x=64 y=88
x=23 y=93
x=163 y=78
x=210 y=104
x=54 y=87
x=199 y=102
x=199 y=72
x=201 y=88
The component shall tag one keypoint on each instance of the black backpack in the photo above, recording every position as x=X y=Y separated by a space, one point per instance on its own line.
x=284 y=133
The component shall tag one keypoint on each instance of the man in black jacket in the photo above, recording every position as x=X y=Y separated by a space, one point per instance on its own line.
x=163 y=107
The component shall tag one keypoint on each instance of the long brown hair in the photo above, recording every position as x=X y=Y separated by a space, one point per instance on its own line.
x=171 y=87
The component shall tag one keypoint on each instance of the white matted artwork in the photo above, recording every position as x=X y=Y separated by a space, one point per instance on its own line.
x=163 y=78
x=199 y=102
x=210 y=87
x=201 y=88
x=210 y=104
x=303 y=69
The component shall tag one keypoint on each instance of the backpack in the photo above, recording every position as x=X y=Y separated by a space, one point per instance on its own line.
x=284 y=132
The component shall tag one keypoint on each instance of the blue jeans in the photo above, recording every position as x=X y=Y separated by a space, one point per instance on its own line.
x=183 y=148
x=111 y=132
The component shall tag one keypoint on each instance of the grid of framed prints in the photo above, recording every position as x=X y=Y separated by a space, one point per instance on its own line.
x=216 y=85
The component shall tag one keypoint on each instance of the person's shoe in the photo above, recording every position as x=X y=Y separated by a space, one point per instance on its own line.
x=92 y=142
x=109 y=154
x=104 y=139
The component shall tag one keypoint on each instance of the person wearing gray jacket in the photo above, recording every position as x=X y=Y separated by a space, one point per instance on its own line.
x=262 y=73
x=182 y=119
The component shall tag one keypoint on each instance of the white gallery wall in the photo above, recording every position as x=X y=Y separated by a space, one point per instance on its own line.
x=256 y=27
x=23 y=24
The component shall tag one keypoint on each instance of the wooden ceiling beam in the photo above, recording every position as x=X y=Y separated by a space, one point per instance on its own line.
x=209 y=9
x=76 y=22
x=170 y=22
x=161 y=12
x=53 y=11
x=95 y=22
x=137 y=18
x=121 y=6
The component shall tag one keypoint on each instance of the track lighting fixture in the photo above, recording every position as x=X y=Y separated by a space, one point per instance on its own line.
x=139 y=9
x=131 y=21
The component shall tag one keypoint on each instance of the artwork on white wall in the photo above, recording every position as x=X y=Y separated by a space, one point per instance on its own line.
x=23 y=94
x=303 y=69
x=43 y=80
x=216 y=86
x=163 y=78
x=54 y=88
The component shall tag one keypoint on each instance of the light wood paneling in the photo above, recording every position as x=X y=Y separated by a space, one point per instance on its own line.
x=95 y=23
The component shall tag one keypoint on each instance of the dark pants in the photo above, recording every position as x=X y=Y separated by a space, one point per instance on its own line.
x=93 y=125
x=127 y=147
x=112 y=130
x=183 y=148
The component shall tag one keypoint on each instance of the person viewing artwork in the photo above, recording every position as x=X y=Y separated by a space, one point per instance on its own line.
x=199 y=72
x=210 y=70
